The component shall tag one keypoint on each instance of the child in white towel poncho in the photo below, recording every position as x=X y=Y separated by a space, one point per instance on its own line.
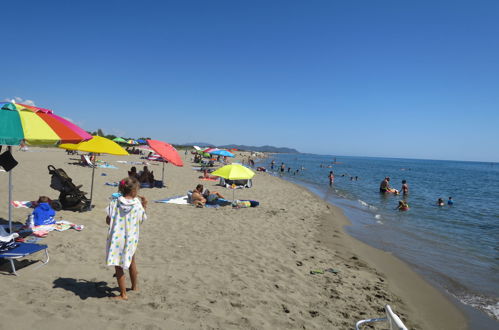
x=124 y=216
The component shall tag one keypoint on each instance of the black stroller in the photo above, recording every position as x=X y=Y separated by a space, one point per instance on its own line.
x=71 y=197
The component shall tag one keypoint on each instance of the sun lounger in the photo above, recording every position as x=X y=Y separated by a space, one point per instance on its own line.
x=393 y=320
x=24 y=250
x=85 y=160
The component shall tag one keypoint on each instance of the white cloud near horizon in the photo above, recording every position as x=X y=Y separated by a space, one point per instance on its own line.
x=18 y=99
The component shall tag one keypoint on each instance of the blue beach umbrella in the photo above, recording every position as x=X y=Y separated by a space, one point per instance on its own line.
x=222 y=153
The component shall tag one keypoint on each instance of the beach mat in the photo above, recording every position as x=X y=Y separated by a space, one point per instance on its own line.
x=19 y=204
x=181 y=200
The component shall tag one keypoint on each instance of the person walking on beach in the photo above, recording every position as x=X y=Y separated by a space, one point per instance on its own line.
x=125 y=214
x=331 y=178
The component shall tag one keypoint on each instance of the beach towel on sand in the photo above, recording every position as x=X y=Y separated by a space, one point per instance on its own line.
x=18 y=204
x=106 y=166
x=174 y=200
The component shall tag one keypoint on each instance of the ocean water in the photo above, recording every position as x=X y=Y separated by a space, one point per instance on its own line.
x=455 y=247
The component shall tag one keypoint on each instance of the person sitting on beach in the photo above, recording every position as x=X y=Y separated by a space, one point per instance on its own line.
x=440 y=202
x=43 y=214
x=125 y=214
x=145 y=176
x=403 y=206
x=133 y=173
x=450 y=201
x=197 y=197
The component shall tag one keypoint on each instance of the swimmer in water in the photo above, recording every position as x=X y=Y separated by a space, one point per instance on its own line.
x=403 y=206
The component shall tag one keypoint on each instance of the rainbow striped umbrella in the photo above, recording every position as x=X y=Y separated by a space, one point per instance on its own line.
x=36 y=126
x=20 y=123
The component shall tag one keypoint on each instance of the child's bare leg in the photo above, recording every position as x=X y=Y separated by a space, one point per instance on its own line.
x=120 y=276
x=133 y=274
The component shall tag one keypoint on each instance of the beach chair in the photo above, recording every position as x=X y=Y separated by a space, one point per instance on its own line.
x=393 y=320
x=85 y=160
x=24 y=250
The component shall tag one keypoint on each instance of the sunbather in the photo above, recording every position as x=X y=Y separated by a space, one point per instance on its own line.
x=197 y=196
x=146 y=176
x=133 y=173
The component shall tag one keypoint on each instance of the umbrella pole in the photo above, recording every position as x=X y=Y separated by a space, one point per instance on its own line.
x=10 y=196
x=163 y=174
x=92 y=187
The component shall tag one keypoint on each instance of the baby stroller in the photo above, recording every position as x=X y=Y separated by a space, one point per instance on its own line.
x=71 y=197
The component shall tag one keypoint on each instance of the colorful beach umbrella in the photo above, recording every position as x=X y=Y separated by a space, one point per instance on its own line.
x=36 y=126
x=167 y=152
x=119 y=140
x=98 y=145
x=222 y=152
x=20 y=123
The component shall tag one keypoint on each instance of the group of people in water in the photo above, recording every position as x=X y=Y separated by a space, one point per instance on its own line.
x=385 y=188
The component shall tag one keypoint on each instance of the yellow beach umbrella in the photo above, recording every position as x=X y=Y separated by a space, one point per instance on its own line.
x=98 y=145
x=234 y=172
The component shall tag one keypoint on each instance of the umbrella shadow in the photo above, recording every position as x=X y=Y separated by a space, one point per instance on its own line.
x=6 y=222
x=83 y=288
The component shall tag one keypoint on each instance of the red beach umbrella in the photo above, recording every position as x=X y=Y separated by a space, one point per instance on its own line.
x=167 y=152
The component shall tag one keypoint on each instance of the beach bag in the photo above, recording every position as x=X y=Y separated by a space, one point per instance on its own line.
x=7 y=161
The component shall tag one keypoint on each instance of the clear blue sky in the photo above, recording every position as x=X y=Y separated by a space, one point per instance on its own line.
x=416 y=79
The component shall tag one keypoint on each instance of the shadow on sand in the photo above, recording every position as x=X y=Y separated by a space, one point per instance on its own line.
x=83 y=288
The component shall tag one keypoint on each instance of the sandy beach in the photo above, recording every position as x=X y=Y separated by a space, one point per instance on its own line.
x=206 y=268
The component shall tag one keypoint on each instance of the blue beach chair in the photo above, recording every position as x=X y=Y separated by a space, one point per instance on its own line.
x=24 y=250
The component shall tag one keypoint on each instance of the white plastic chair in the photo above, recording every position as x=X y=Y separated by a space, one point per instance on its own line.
x=393 y=320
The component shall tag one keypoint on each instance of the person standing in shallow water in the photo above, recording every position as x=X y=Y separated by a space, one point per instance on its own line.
x=331 y=178
x=405 y=187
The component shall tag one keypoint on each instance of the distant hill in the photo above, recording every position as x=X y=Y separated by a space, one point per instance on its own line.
x=261 y=149
x=244 y=147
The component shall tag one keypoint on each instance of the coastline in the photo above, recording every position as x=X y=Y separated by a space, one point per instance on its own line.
x=424 y=305
x=211 y=268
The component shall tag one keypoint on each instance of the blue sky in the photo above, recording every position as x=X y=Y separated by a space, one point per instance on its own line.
x=414 y=79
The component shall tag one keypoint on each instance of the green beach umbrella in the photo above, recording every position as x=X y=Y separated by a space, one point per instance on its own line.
x=119 y=140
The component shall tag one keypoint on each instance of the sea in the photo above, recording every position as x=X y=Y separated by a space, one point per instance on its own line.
x=455 y=247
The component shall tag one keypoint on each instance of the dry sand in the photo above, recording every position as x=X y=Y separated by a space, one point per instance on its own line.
x=209 y=268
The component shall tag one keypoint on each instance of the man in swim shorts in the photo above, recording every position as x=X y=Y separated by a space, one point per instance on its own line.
x=384 y=185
